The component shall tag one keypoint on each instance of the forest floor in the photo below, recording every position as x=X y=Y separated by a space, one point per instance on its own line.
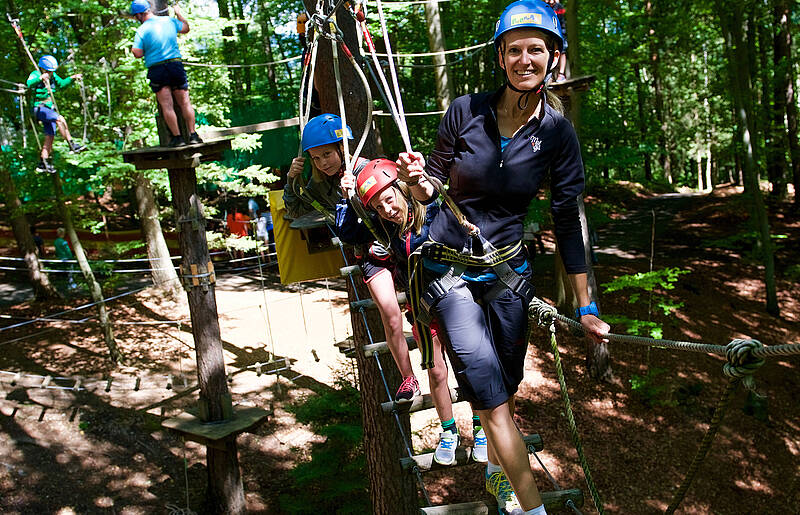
x=97 y=451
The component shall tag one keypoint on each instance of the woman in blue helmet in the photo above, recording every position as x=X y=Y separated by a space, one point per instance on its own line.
x=43 y=109
x=322 y=139
x=495 y=149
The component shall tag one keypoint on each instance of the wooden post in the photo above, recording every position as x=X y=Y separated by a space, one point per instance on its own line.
x=225 y=493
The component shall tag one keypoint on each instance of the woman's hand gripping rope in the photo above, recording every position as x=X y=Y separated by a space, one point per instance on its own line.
x=411 y=170
x=545 y=316
x=595 y=329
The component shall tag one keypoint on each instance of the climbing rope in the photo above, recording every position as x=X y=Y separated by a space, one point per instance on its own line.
x=18 y=31
x=744 y=357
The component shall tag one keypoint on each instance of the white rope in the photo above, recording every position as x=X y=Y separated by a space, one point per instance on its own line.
x=442 y=52
x=251 y=65
x=426 y=113
x=400 y=119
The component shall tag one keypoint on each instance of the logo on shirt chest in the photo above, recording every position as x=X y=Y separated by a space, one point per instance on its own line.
x=536 y=143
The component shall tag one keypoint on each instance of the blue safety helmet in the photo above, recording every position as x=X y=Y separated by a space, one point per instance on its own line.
x=48 y=63
x=323 y=129
x=531 y=14
x=139 y=6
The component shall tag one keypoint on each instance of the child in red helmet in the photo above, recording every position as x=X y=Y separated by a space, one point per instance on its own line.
x=407 y=220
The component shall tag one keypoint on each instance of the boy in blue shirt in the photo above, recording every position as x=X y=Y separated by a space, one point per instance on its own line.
x=42 y=83
x=157 y=41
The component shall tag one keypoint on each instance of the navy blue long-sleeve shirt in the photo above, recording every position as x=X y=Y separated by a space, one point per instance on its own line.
x=493 y=188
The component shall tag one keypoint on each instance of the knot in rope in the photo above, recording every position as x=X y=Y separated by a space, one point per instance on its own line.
x=544 y=313
x=742 y=364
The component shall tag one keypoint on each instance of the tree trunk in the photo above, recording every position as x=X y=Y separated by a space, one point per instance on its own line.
x=784 y=88
x=444 y=88
x=392 y=491
x=266 y=35
x=230 y=49
x=642 y=124
x=664 y=157
x=42 y=288
x=225 y=493
x=731 y=21
x=94 y=288
x=778 y=142
x=163 y=272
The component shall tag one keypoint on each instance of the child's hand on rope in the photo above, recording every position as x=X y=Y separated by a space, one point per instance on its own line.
x=348 y=182
x=595 y=328
x=410 y=166
x=296 y=168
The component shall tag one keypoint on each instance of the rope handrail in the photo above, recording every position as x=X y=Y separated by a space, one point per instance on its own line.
x=441 y=52
x=539 y=310
x=744 y=357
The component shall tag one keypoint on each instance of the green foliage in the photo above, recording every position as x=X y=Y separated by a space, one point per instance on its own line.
x=650 y=282
x=651 y=389
x=334 y=480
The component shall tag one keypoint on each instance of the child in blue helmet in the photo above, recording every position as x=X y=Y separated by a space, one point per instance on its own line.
x=322 y=139
x=496 y=149
x=157 y=41
x=43 y=109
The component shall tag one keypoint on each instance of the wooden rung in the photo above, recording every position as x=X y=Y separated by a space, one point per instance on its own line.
x=350 y=270
x=108 y=383
x=556 y=500
x=419 y=403
x=244 y=419
x=138 y=384
x=377 y=348
x=78 y=381
x=370 y=304
x=425 y=463
x=46 y=382
x=169 y=382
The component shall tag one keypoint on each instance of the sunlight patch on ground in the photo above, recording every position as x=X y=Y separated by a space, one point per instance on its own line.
x=753 y=485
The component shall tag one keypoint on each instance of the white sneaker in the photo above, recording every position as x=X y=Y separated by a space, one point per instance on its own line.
x=445 y=453
x=480 y=452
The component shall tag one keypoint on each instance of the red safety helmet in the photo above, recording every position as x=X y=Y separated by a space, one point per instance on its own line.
x=376 y=176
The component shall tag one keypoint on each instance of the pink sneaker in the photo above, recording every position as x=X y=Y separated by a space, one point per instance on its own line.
x=409 y=389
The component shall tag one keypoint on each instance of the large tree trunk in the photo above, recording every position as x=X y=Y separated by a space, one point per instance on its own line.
x=444 y=88
x=94 y=288
x=225 y=493
x=392 y=491
x=163 y=272
x=778 y=141
x=731 y=21
x=42 y=288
